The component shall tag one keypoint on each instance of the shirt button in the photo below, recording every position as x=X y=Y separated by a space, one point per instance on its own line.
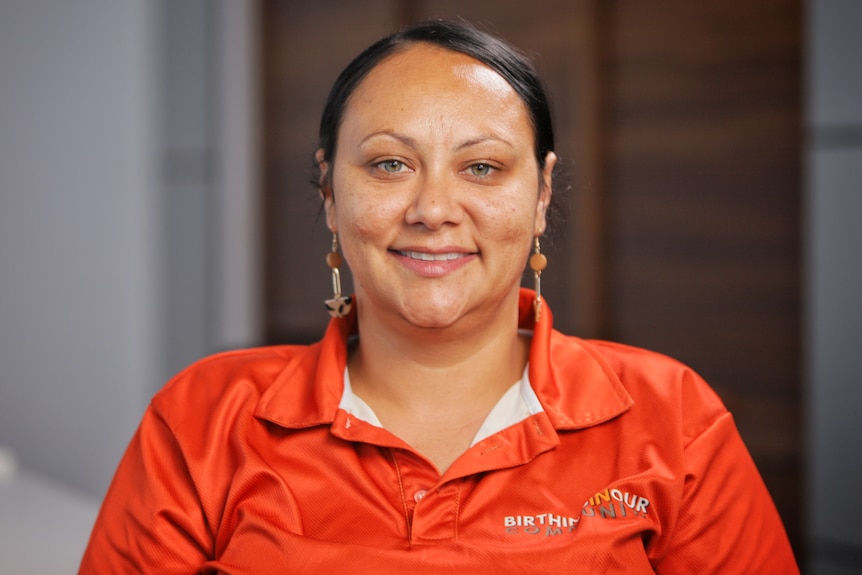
x=419 y=495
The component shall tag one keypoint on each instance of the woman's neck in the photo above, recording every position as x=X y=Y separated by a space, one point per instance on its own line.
x=434 y=388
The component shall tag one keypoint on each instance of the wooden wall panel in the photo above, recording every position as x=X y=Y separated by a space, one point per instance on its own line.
x=703 y=197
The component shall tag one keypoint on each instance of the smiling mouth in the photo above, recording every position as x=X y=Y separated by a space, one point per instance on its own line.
x=427 y=257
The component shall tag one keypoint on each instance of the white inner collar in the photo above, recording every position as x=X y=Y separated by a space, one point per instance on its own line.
x=518 y=403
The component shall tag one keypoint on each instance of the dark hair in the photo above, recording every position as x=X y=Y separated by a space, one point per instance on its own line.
x=516 y=68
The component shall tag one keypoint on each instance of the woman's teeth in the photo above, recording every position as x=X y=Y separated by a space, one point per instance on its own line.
x=424 y=256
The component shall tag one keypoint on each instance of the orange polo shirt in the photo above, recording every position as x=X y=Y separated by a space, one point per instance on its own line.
x=248 y=462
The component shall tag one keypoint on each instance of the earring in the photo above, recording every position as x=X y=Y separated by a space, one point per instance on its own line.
x=339 y=305
x=538 y=262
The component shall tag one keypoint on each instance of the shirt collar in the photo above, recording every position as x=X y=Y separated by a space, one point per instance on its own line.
x=575 y=384
x=576 y=387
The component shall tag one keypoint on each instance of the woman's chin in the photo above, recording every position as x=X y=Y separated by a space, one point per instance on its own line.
x=431 y=314
x=431 y=318
x=444 y=309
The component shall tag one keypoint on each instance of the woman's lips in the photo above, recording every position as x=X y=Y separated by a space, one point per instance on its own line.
x=433 y=264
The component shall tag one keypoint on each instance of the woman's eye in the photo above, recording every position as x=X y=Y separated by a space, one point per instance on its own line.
x=480 y=170
x=392 y=166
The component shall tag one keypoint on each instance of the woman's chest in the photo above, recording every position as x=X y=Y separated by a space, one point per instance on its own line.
x=565 y=505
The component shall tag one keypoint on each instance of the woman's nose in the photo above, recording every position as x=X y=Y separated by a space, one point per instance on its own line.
x=435 y=201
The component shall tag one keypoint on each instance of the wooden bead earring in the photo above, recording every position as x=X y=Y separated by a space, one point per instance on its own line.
x=339 y=305
x=538 y=262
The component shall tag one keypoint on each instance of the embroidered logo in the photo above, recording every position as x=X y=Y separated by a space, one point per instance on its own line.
x=607 y=504
x=548 y=523
x=613 y=503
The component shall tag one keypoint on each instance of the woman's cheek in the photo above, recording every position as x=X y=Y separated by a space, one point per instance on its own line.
x=378 y=217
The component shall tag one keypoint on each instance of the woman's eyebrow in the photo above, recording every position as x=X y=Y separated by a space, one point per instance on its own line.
x=392 y=134
x=482 y=139
x=411 y=142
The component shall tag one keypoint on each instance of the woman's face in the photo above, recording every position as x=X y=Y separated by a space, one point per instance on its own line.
x=436 y=192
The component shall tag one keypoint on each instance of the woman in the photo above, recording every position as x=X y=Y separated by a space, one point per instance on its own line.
x=441 y=425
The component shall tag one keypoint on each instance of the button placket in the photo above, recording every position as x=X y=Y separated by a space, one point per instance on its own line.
x=416 y=480
x=437 y=517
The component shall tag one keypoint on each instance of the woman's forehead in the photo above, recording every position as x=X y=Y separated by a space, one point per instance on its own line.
x=433 y=67
x=426 y=83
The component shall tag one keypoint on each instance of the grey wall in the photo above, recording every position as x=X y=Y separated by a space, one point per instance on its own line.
x=834 y=284
x=128 y=245
x=77 y=232
x=206 y=80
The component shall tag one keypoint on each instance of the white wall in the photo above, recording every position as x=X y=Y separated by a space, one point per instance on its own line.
x=128 y=206
x=834 y=285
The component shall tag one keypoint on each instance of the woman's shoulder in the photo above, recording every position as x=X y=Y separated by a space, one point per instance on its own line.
x=661 y=386
x=632 y=361
x=236 y=377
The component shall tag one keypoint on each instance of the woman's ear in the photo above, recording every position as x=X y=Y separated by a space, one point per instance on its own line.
x=545 y=193
x=325 y=188
x=322 y=173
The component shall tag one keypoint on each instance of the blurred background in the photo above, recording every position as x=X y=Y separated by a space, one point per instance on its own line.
x=155 y=207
